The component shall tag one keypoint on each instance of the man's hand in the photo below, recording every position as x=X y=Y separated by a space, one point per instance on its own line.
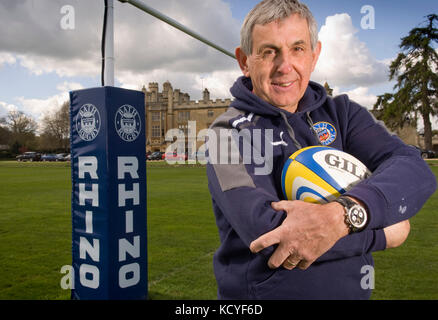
x=308 y=231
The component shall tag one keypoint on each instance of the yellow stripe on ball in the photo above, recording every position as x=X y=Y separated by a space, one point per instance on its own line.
x=299 y=171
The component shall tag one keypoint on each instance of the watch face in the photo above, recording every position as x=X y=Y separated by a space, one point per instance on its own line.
x=358 y=217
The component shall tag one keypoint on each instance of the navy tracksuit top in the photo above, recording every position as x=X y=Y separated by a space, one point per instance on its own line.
x=242 y=192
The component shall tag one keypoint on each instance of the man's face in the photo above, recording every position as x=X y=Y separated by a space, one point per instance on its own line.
x=281 y=61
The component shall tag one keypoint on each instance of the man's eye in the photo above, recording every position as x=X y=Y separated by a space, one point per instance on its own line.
x=298 y=49
x=268 y=52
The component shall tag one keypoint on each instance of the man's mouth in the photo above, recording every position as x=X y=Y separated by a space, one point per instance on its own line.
x=283 y=84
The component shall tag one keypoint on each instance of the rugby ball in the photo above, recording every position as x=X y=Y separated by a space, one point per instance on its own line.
x=320 y=174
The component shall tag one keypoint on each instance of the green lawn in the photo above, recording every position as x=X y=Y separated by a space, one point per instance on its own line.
x=411 y=271
x=35 y=237
x=182 y=234
x=35 y=231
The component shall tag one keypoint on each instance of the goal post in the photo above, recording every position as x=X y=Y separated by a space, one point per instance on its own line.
x=108 y=166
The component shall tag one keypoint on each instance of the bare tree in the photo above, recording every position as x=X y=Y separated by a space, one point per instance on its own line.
x=5 y=134
x=56 y=129
x=22 y=129
x=20 y=123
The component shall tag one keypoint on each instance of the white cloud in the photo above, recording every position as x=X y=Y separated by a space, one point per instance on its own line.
x=360 y=95
x=142 y=42
x=38 y=108
x=344 y=59
x=7 y=58
x=218 y=83
x=146 y=49
x=38 y=65
x=149 y=50
x=6 y=107
x=69 y=86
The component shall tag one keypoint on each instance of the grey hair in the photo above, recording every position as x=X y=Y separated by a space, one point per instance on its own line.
x=273 y=10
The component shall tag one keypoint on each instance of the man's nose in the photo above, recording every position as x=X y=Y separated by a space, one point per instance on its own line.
x=284 y=63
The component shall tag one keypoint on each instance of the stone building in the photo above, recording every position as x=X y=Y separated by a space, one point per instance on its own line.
x=172 y=109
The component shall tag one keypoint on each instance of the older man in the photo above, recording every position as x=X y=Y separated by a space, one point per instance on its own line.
x=273 y=249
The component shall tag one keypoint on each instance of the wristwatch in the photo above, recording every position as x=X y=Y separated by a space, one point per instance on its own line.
x=356 y=216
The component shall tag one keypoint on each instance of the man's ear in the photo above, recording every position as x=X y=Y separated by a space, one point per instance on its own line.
x=316 y=54
x=242 y=59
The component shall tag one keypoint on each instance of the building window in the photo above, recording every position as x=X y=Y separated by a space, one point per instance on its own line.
x=156 y=131
x=210 y=113
x=183 y=116
x=184 y=128
x=155 y=116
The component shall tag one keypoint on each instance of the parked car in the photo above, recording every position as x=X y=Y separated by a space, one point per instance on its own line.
x=199 y=156
x=61 y=156
x=175 y=156
x=48 y=157
x=29 y=156
x=67 y=157
x=425 y=154
x=428 y=154
x=156 y=155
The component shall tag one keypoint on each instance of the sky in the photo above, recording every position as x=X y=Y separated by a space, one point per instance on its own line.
x=49 y=47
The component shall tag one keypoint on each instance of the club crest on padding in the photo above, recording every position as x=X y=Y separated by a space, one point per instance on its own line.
x=128 y=123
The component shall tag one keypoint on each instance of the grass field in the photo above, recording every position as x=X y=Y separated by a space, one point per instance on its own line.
x=35 y=237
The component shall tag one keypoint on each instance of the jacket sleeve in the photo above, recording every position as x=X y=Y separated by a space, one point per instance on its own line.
x=401 y=181
x=241 y=197
x=356 y=244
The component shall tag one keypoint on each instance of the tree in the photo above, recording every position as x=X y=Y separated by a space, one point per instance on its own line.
x=5 y=134
x=415 y=71
x=395 y=114
x=56 y=129
x=328 y=89
x=19 y=123
x=22 y=129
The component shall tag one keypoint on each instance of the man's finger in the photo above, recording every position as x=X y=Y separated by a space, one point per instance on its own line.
x=280 y=205
x=268 y=239
x=290 y=263
x=279 y=257
x=303 y=264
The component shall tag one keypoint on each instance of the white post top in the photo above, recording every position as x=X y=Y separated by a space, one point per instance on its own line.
x=109 y=46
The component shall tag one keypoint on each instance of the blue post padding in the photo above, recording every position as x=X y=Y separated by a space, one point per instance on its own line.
x=108 y=160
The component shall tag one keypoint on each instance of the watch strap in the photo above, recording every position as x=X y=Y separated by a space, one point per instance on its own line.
x=347 y=203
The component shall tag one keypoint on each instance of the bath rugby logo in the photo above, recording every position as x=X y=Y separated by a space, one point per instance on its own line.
x=88 y=122
x=128 y=123
x=326 y=132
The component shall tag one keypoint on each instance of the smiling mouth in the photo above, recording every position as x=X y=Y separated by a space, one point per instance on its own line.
x=283 y=84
